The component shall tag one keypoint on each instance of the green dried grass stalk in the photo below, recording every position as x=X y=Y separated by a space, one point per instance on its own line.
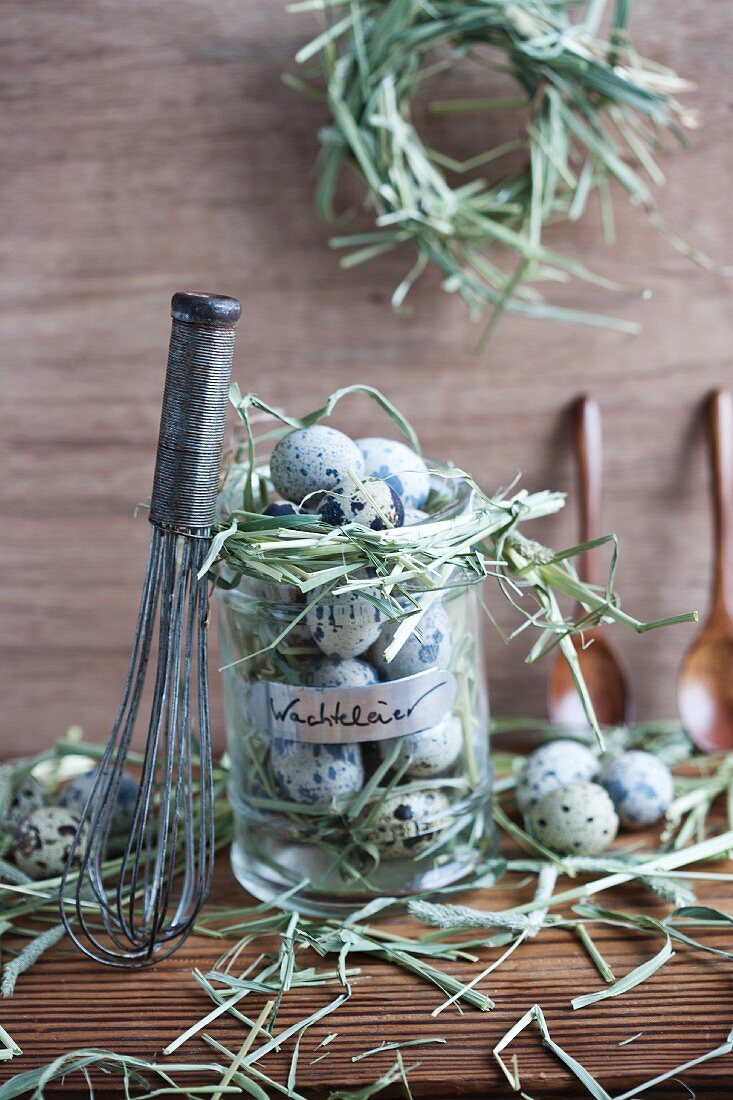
x=8 y=1046
x=398 y=1045
x=719 y=1051
x=133 y=1070
x=12 y=874
x=536 y=1015
x=28 y=956
x=593 y=113
x=629 y=981
x=711 y=848
x=397 y=1072
x=594 y=954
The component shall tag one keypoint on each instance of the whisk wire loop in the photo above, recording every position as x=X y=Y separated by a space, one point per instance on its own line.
x=166 y=863
x=137 y=908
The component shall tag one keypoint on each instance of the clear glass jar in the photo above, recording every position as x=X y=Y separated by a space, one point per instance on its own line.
x=353 y=791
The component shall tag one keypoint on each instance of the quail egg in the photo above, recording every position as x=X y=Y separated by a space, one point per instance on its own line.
x=316 y=774
x=431 y=649
x=641 y=787
x=335 y=672
x=309 y=460
x=277 y=508
x=74 y=798
x=430 y=752
x=27 y=795
x=576 y=819
x=344 y=625
x=406 y=824
x=377 y=506
x=399 y=466
x=43 y=841
x=413 y=516
x=551 y=766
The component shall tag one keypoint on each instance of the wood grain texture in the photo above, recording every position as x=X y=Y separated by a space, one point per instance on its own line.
x=683 y=1011
x=152 y=146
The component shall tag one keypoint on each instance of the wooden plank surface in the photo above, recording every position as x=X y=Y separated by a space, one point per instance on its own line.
x=683 y=1011
x=152 y=146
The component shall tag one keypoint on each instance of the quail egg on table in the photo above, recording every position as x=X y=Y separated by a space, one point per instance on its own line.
x=430 y=752
x=399 y=466
x=430 y=649
x=316 y=774
x=376 y=505
x=551 y=766
x=344 y=625
x=43 y=841
x=575 y=819
x=337 y=672
x=641 y=787
x=406 y=824
x=74 y=798
x=310 y=460
x=26 y=795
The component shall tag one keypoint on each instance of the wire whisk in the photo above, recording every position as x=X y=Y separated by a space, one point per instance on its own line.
x=142 y=905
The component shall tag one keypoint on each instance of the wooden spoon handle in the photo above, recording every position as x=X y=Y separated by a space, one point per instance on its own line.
x=589 y=451
x=721 y=456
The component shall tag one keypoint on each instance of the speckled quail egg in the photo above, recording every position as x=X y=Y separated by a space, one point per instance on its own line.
x=399 y=466
x=430 y=650
x=335 y=672
x=315 y=774
x=277 y=508
x=551 y=766
x=406 y=824
x=43 y=841
x=376 y=506
x=344 y=625
x=576 y=819
x=27 y=795
x=430 y=752
x=74 y=798
x=309 y=460
x=413 y=516
x=641 y=787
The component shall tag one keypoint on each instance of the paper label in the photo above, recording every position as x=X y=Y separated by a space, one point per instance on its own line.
x=344 y=715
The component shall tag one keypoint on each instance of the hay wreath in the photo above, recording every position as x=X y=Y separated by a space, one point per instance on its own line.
x=592 y=113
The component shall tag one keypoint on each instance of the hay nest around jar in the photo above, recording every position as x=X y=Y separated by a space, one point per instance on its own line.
x=467 y=537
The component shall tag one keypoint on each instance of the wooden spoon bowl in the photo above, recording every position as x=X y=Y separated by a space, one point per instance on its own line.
x=705 y=692
x=705 y=682
x=604 y=677
x=602 y=669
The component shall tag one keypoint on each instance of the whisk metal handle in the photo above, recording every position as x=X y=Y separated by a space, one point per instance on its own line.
x=194 y=410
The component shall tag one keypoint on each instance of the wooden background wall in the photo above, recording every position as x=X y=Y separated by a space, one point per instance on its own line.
x=149 y=146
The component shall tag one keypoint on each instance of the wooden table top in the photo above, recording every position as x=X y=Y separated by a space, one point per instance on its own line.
x=683 y=1011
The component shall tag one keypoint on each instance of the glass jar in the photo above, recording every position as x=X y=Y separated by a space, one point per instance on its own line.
x=353 y=778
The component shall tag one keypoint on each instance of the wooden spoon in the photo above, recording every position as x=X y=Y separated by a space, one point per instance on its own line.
x=601 y=667
x=705 y=682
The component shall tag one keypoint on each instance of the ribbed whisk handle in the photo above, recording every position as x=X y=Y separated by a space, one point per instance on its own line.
x=194 y=410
